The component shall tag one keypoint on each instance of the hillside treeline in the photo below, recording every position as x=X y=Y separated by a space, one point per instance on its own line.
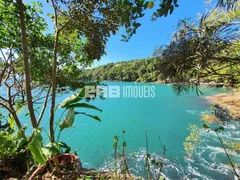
x=144 y=70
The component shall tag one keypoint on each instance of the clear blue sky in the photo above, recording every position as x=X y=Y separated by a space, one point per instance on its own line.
x=149 y=35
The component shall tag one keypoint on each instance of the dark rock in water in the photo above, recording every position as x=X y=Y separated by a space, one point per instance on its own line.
x=222 y=114
x=212 y=84
x=227 y=107
x=220 y=85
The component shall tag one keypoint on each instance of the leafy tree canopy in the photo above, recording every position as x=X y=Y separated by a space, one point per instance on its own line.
x=204 y=49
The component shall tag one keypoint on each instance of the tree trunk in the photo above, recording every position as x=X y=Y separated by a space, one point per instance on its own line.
x=54 y=71
x=26 y=65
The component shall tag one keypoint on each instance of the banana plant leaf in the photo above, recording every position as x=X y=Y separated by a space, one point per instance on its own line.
x=69 y=119
x=35 y=146
x=91 y=116
x=84 y=105
x=51 y=149
x=72 y=99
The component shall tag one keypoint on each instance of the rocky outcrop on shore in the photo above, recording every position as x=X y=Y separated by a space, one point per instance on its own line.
x=202 y=84
x=227 y=106
x=212 y=84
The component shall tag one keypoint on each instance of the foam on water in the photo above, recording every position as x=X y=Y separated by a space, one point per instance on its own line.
x=209 y=157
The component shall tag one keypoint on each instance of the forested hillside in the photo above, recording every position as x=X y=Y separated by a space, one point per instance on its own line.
x=144 y=70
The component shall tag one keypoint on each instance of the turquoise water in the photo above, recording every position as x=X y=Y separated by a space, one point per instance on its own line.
x=167 y=116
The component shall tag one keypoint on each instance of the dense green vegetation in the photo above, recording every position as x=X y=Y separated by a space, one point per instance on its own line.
x=36 y=62
x=144 y=70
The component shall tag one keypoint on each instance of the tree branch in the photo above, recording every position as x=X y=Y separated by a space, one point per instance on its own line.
x=13 y=113
x=44 y=107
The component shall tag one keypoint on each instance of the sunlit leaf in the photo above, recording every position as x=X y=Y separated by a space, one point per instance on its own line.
x=51 y=149
x=94 y=117
x=69 y=119
x=35 y=146
x=72 y=99
x=84 y=105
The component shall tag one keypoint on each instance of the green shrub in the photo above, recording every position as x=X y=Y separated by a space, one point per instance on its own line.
x=7 y=145
x=12 y=144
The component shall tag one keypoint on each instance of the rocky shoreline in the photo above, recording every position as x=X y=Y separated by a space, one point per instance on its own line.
x=227 y=106
x=203 y=84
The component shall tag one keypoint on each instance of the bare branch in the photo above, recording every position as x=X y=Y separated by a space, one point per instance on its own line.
x=44 y=107
x=13 y=113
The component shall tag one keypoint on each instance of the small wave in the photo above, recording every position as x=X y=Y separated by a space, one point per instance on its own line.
x=137 y=166
x=209 y=157
x=193 y=171
x=232 y=126
x=194 y=112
